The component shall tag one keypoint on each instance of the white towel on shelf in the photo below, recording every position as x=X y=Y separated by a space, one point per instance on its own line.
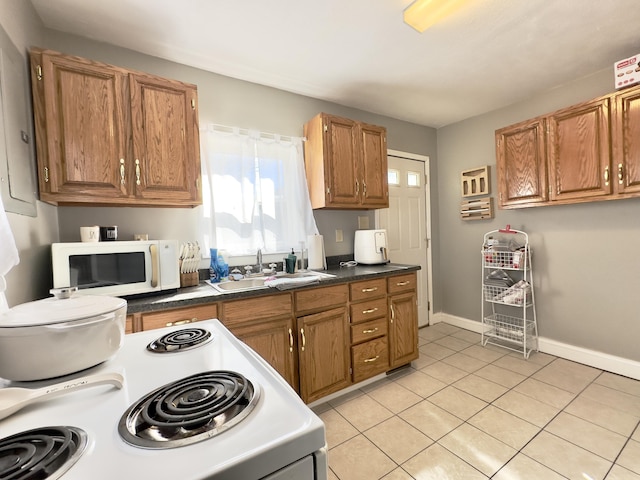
x=8 y=254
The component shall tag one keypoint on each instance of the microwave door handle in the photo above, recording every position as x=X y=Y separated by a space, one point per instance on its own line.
x=155 y=267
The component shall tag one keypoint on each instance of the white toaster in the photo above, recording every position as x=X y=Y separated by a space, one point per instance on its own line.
x=370 y=247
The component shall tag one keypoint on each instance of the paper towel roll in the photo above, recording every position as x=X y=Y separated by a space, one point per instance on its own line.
x=315 y=245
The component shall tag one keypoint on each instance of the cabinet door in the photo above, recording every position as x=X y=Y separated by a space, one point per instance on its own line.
x=375 y=186
x=82 y=130
x=166 y=152
x=403 y=329
x=323 y=352
x=343 y=178
x=626 y=142
x=273 y=340
x=521 y=164
x=578 y=151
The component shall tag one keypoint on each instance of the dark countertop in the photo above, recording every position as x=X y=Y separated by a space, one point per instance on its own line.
x=205 y=293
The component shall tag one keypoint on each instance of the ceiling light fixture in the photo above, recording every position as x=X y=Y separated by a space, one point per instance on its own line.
x=422 y=14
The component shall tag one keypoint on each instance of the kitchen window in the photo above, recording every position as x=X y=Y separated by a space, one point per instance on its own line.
x=255 y=192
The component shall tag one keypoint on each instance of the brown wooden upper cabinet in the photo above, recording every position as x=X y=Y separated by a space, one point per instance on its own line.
x=583 y=153
x=346 y=163
x=112 y=136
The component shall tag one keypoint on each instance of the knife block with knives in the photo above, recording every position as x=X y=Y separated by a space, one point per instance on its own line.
x=189 y=263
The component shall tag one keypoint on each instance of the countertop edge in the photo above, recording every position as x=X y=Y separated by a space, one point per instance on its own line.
x=204 y=294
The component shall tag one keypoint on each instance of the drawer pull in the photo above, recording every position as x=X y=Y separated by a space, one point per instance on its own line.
x=290 y=341
x=402 y=284
x=304 y=340
x=372 y=359
x=371 y=310
x=369 y=290
x=370 y=330
x=182 y=322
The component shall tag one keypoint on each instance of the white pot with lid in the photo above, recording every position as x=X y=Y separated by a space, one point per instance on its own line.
x=60 y=335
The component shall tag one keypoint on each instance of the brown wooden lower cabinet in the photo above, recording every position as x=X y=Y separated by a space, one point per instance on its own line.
x=273 y=340
x=403 y=329
x=322 y=339
x=323 y=353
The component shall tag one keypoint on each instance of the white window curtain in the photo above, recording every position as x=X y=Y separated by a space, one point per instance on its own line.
x=255 y=192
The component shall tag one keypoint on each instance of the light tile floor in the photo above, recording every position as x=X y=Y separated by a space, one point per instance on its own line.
x=463 y=411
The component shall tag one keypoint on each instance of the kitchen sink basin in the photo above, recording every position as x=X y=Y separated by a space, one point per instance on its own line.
x=256 y=283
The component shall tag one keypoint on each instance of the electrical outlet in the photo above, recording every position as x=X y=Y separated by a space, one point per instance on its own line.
x=363 y=222
x=339 y=236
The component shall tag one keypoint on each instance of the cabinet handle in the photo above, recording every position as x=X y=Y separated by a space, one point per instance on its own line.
x=364 y=188
x=304 y=340
x=371 y=310
x=46 y=174
x=369 y=290
x=137 y=172
x=357 y=188
x=370 y=330
x=402 y=284
x=372 y=359
x=182 y=322
x=393 y=313
x=606 y=176
x=290 y=341
x=122 y=171
x=620 y=174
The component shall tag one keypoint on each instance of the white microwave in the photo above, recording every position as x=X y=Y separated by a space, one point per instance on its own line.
x=116 y=268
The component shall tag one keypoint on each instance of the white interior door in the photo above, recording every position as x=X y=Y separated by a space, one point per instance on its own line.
x=407 y=221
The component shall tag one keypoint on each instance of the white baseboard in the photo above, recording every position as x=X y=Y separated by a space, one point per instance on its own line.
x=592 y=358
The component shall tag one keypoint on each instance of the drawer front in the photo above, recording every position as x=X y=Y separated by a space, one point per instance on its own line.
x=367 y=289
x=321 y=298
x=270 y=306
x=368 y=330
x=402 y=283
x=179 y=316
x=363 y=311
x=370 y=358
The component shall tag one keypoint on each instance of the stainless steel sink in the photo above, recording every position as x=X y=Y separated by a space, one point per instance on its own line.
x=257 y=283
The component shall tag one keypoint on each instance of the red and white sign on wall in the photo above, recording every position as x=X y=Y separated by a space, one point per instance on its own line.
x=627 y=72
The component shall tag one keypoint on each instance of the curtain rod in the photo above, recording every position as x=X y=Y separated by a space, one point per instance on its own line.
x=245 y=131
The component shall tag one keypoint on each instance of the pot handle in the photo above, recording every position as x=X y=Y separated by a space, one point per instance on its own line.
x=77 y=323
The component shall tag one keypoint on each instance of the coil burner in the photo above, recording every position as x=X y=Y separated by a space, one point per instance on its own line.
x=180 y=340
x=41 y=453
x=189 y=410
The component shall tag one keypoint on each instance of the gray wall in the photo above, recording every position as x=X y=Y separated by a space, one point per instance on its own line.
x=32 y=277
x=585 y=257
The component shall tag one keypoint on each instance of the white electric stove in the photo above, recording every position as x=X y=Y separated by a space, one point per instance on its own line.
x=222 y=413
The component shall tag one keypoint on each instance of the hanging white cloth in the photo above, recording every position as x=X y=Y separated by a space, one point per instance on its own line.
x=8 y=254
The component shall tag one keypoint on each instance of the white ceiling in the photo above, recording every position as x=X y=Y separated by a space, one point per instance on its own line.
x=359 y=53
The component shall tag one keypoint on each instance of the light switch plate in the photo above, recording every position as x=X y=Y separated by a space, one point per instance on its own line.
x=339 y=236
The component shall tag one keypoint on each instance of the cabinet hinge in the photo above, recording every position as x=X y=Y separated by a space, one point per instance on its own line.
x=326 y=129
x=46 y=174
x=39 y=72
x=350 y=371
x=193 y=103
x=328 y=190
